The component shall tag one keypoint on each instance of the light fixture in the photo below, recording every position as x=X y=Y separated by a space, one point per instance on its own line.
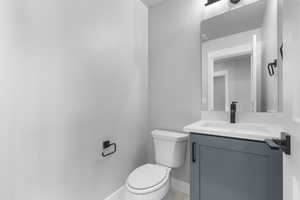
x=211 y=2
x=235 y=1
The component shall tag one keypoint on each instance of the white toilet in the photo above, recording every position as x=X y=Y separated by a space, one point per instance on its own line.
x=152 y=181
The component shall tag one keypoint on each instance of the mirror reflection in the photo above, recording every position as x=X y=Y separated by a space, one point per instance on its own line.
x=242 y=56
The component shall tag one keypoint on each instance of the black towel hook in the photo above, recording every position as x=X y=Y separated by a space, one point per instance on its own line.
x=271 y=67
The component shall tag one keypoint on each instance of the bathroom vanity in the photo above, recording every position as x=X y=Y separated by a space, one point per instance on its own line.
x=234 y=161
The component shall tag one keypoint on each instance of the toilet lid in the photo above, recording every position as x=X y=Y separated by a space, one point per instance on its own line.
x=147 y=176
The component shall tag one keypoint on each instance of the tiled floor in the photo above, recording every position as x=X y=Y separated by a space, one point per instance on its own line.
x=174 y=195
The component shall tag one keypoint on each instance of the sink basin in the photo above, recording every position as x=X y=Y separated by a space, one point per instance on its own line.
x=251 y=131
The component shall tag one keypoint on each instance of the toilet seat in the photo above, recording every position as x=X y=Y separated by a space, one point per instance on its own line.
x=147 y=178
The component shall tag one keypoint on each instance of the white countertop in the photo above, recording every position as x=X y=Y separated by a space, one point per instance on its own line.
x=250 y=131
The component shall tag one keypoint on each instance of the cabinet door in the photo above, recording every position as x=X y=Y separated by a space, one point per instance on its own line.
x=234 y=169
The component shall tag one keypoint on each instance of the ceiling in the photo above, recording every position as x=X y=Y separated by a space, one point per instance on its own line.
x=151 y=2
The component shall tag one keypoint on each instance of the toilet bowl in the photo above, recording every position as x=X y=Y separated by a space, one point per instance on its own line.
x=152 y=181
x=148 y=182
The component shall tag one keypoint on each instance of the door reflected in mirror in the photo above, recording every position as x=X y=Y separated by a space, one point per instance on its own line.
x=242 y=57
x=232 y=82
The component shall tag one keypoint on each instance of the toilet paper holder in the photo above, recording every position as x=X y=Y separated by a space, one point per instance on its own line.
x=106 y=144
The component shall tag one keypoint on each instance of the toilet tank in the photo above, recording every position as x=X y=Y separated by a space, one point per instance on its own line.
x=170 y=148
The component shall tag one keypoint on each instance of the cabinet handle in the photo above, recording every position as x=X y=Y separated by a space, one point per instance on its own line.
x=193 y=152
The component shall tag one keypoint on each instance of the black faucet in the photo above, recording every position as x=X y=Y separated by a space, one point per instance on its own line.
x=233 y=112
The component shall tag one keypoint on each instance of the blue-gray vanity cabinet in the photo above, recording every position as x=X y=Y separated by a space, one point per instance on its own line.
x=225 y=168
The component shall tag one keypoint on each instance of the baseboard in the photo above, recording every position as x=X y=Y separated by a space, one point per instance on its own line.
x=117 y=195
x=180 y=186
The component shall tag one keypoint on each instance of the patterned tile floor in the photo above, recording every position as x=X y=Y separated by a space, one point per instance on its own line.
x=174 y=195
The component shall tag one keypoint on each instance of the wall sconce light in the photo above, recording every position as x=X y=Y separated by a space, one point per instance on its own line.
x=209 y=2
x=235 y=1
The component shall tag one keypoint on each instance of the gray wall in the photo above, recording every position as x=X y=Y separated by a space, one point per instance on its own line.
x=175 y=67
x=73 y=73
x=239 y=80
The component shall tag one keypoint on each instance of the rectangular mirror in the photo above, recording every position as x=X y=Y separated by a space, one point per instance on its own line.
x=242 y=55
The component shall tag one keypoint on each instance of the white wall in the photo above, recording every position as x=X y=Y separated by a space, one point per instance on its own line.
x=7 y=94
x=269 y=32
x=175 y=72
x=79 y=76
